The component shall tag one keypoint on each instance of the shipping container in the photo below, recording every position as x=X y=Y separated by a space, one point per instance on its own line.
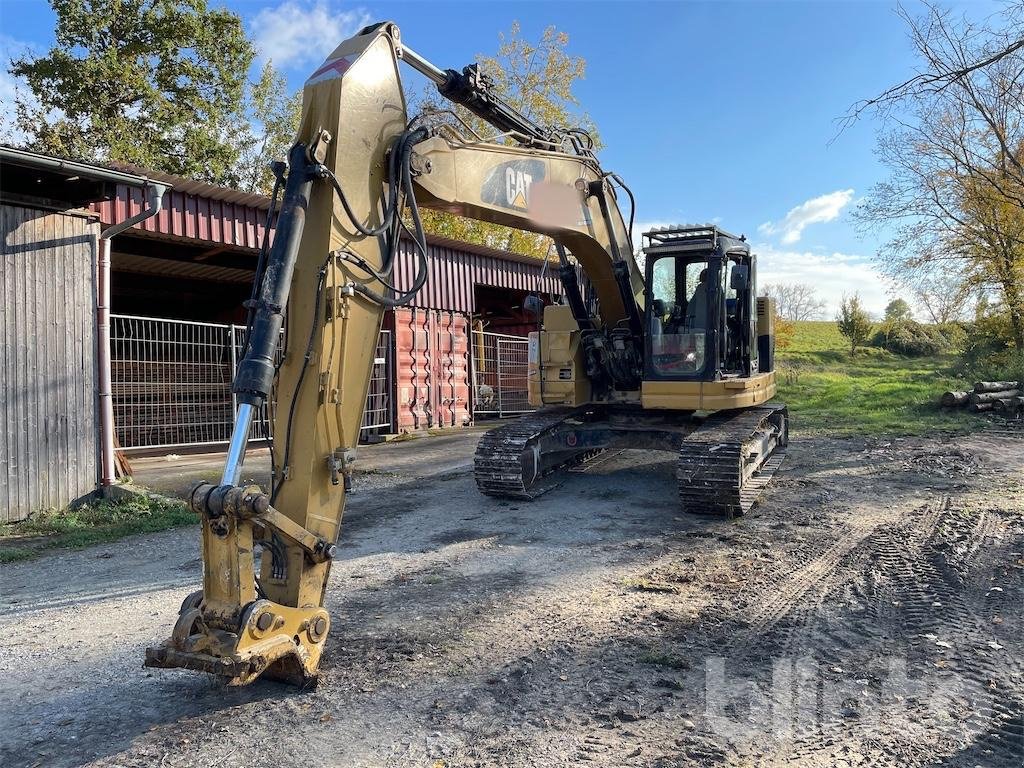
x=432 y=369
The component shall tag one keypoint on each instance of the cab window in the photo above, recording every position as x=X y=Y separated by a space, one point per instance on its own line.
x=678 y=315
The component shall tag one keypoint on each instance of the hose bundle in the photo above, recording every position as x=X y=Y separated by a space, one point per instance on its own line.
x=400 y=194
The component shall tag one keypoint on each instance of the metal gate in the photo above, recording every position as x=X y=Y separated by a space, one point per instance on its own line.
x=172 y=383
x=377 y=417
x=500 y=366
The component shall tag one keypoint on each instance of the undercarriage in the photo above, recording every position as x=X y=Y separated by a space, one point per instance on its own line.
x=725 y=458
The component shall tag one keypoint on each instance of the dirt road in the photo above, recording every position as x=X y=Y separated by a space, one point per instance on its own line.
x=869 y=613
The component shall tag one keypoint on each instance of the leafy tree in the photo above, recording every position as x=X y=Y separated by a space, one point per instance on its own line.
x=785 y=332
x=897 y=311
x=992 y=240
x=161 y=84
x=275 y=123
x=854 y=322
x=955 y=197
x=537 y=79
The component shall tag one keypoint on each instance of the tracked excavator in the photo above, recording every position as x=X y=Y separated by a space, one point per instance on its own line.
x=674 y=355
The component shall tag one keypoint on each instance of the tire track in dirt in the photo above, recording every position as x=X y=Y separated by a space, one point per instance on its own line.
x=932 y=589
x=799 y=598
x=917 y=591
x=793 y=600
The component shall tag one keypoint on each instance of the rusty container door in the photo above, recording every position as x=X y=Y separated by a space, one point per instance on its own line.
x=431 y=369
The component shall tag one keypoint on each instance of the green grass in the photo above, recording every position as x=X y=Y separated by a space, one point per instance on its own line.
x=874 y=392
x=88 y=524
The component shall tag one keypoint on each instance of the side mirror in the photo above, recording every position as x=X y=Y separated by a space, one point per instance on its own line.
x=533 y=306
x=740 y=277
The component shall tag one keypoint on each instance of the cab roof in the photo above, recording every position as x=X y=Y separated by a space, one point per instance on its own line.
x=691 y=237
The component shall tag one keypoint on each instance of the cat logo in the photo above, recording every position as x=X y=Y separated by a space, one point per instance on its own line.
x=508 y=184
x=517 y=187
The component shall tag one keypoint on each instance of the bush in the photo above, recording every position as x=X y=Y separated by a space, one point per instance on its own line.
x=784 y=332
x=987 y=352
x=913 y=339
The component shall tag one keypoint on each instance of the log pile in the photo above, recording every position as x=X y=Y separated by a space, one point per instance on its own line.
x=1003 y=397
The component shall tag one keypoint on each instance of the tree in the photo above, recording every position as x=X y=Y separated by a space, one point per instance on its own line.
x=944 y=294
x=537 y=79
x=854 y=322
x=275 y=123
x=897 y=311
x=955 y=196
x=161 y=84
x=794 y=301
x=958 y=57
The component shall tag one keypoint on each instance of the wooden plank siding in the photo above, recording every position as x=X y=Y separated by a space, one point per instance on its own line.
x=49 y=441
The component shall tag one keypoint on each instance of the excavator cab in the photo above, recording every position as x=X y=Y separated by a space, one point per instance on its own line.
x=701 y=308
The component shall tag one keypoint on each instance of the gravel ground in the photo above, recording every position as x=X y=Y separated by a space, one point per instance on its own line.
x=869 y=612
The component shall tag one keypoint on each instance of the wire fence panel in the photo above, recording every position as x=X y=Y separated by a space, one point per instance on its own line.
x=172 y=383
x=377 y=414
x=500 y=365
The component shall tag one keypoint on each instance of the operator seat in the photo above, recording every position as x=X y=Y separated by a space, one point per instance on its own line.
x=697 y=307
x=657 y=317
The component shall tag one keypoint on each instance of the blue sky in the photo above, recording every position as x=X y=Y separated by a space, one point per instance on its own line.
x=710 y=111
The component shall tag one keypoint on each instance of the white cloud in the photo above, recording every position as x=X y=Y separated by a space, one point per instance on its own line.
x=814 y=211
x=833 y=275
x=300 y=32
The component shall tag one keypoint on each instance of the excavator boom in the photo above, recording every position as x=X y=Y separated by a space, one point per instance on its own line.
x=356 y=169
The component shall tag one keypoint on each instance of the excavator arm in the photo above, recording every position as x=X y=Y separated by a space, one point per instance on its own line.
x=355 y=178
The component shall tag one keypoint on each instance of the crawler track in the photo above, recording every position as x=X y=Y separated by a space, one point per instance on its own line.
x=724 y=465
x=503 y=465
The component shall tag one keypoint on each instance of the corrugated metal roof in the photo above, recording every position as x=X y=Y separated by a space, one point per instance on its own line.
x=189 y=216
x=149 y=265
x=453 y=272
x=200 y=188
x=198 y=211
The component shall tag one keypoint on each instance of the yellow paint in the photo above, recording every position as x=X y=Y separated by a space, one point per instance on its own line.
x=722 y=395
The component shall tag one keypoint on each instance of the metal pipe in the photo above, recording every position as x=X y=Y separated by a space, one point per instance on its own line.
x=106 y=391
x=236 y=449
x=424 y=67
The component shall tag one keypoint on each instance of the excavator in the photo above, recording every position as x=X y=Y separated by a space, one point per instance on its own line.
x=675 y=354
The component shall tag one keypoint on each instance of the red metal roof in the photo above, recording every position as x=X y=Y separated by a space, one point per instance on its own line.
x=455 y=270
x=189 y=216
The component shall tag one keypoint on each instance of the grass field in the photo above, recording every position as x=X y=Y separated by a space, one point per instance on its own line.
x=89 y=524
x=875 y=392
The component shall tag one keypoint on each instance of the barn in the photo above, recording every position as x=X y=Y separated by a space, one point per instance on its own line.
x=122 y=325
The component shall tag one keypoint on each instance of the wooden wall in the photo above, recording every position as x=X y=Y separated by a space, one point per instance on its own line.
x=49 y=441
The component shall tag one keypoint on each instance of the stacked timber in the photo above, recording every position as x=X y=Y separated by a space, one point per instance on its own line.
x=1003 y=397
